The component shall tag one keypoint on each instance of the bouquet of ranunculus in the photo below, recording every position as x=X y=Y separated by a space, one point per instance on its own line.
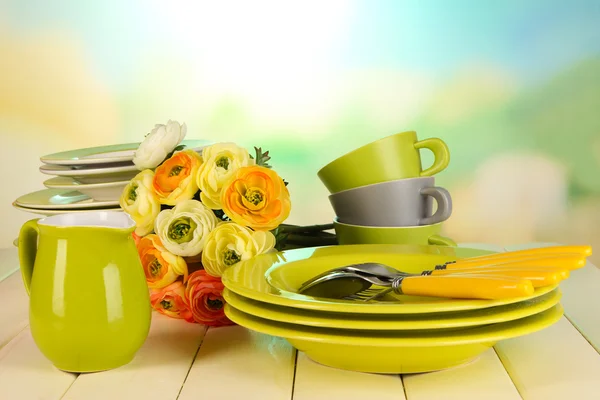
x=198 y=214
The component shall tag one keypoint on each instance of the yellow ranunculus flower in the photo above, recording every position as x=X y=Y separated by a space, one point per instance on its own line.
x=141 y=202
x=221 y=160
x=230 y=243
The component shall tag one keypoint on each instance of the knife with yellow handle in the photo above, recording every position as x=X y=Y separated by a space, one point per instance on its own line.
x=570 y=262
x=457 y=286
x=538 y=276
x=576 y=251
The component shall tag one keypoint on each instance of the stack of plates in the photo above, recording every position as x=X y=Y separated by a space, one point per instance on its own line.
x=399 y=333
x=86 y=179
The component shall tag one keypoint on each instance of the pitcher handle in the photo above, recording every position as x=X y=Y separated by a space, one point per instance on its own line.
x=28 y=250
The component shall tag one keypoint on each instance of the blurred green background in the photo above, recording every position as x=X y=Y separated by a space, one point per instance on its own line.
x=512 y=86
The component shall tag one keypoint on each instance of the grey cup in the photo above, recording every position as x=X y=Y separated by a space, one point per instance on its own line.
x=404 y=202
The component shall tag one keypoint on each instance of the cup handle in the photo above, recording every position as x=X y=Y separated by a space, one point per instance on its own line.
x=441 y=241
x=444 y=205
x=28 y=250
x=440 y=152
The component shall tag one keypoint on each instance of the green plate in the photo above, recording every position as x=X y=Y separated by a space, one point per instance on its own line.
x=287 y=270
x=459 y=319
x=395 y=352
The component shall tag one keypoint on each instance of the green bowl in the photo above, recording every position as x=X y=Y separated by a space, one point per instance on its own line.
x=360 y=234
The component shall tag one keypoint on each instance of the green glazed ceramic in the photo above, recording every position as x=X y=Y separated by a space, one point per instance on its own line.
x=274 y=278
x=359 y=234
x=89 y=306
x=391 y=158
x=395 y=352
x=377 y=322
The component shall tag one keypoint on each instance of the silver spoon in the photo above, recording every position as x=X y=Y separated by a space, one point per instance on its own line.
x=341 y=284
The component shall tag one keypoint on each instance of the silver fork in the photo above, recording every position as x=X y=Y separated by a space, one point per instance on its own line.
x=373 y=294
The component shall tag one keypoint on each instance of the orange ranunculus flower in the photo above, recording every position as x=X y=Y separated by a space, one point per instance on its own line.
x=136 y=238
x=175 y=179
x=170 y=301
x=204 y=298
x=256 y=197
x=160 y=266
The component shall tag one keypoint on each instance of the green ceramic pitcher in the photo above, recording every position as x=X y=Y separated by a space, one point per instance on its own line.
x=89 y=306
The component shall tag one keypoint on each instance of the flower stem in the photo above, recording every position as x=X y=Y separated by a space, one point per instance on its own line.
x=305 y=229
x=311 y=241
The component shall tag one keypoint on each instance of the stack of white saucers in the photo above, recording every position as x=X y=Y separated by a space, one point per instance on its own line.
x=86 y=179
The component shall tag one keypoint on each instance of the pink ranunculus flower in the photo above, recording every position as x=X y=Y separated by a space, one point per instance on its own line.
x=204 y=297
x=170 y=301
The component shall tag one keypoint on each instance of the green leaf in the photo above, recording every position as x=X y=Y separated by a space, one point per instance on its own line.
x=221 y=215
x=262 y=158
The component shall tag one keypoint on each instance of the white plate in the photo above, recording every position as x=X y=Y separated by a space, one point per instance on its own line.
x=49 y=213
x=60 y=199
x=91 y=174
x=117 y=153
x=106 y=191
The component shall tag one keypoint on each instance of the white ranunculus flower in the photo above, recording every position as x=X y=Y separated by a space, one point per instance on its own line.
x=230 y=243
x=183 y=229
x=141 y=202
x=158 y=144
x=221 y=160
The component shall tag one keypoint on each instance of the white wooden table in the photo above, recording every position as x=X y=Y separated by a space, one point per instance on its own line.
x=188 y=361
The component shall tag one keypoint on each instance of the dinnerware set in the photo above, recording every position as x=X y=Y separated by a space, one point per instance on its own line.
x=429 y=325
x=393 y=296
x=85 y=179
x=381 y=194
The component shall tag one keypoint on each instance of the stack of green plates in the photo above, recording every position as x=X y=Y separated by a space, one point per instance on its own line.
x=398 y=334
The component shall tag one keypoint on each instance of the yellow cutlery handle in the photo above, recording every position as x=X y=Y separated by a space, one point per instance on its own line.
x=581 y=251
x=560 y=262
x=538 y=276
x=466 y=286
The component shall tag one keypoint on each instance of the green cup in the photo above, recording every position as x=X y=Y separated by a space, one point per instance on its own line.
x=391 y=158
x=359 y=234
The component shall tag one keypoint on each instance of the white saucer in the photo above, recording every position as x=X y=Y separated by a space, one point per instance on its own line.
x=91 y=174
x=60 y=199
x=106 y=191
x=49 y=213
x=117 y=153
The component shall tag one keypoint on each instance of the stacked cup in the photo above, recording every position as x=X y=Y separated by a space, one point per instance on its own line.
x=381 y=194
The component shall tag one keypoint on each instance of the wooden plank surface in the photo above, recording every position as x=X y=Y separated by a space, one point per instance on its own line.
x=555 y=363
x=484 y=378
x=235 y=363
x=26 y=374
x=318 y=382
x=156 y=373
x=14 y=314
